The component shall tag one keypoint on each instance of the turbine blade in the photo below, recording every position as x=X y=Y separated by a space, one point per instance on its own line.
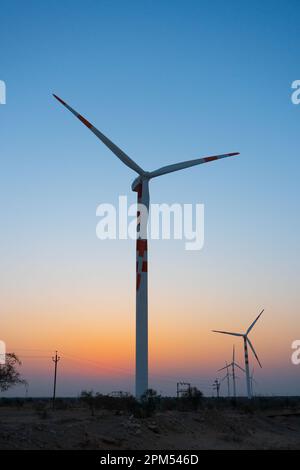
x=243 y=370
x=222 y=368
x=116 y=150
x=233 y=354
x=227 y=333
x=252 y=324
x=187 y=164
x=253 y=350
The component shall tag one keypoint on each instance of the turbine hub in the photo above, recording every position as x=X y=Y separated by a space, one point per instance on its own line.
x=139 y=180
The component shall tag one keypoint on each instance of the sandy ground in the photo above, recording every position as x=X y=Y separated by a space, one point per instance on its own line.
x=26 y=428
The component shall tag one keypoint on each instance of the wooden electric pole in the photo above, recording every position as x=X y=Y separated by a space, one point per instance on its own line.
x=216 y=387
x=55 y=359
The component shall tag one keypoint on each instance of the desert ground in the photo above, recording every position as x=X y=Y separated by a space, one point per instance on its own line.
x=36 y=426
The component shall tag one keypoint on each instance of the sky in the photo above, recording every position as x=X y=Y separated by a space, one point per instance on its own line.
x=166 y=81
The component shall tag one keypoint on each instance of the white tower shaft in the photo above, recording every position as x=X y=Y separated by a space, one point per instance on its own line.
x=141 y=384
x=247 y=368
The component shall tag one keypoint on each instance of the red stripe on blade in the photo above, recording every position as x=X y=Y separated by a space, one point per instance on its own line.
x=85 y=122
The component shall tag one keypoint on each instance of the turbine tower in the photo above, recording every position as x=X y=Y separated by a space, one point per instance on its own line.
x=141 y=186
x=246 y=342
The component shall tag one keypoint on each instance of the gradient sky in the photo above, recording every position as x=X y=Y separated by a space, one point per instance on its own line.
x=167 y=81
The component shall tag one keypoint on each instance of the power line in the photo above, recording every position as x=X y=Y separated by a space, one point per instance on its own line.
x=32 y=350
x=203 y=382
x=34 y=357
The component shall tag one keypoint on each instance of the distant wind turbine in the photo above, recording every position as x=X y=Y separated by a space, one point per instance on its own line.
x=227 y=376
x=141 y=186
x=252 y=382
x=246 y=342
x=233 y=365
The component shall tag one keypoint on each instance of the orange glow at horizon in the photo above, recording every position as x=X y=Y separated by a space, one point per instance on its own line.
x=95 y=345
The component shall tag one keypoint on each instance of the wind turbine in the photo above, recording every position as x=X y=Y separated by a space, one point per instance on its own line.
x=246 y=342
x=141 y=186
x=233 y=365
x=227 y=376
x=252 y=381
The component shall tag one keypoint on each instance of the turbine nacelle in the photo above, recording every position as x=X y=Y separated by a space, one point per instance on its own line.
x=244 y=336
x=140 y=180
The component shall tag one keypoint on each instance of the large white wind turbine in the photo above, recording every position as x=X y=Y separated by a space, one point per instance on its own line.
x=141 y=186
x=246 y=342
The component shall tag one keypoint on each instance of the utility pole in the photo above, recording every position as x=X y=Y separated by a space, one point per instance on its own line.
x=216 y=386
x=55 y=359
x=26 y=390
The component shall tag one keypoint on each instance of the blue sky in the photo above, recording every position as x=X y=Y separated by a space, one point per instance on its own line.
x=166 y=81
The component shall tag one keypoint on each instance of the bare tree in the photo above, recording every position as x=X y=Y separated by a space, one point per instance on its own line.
x=9 y=375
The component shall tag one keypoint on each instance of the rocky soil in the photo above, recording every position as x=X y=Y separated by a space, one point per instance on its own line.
x=27 y=428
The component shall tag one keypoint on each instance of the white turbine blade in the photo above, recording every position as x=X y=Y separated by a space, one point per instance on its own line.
x=187 y=164
x=243 y=370
x=233 y=354
x=116 y=150
x=222 y=368
x=227 y=333
x=251 y=346
x=252 y=324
